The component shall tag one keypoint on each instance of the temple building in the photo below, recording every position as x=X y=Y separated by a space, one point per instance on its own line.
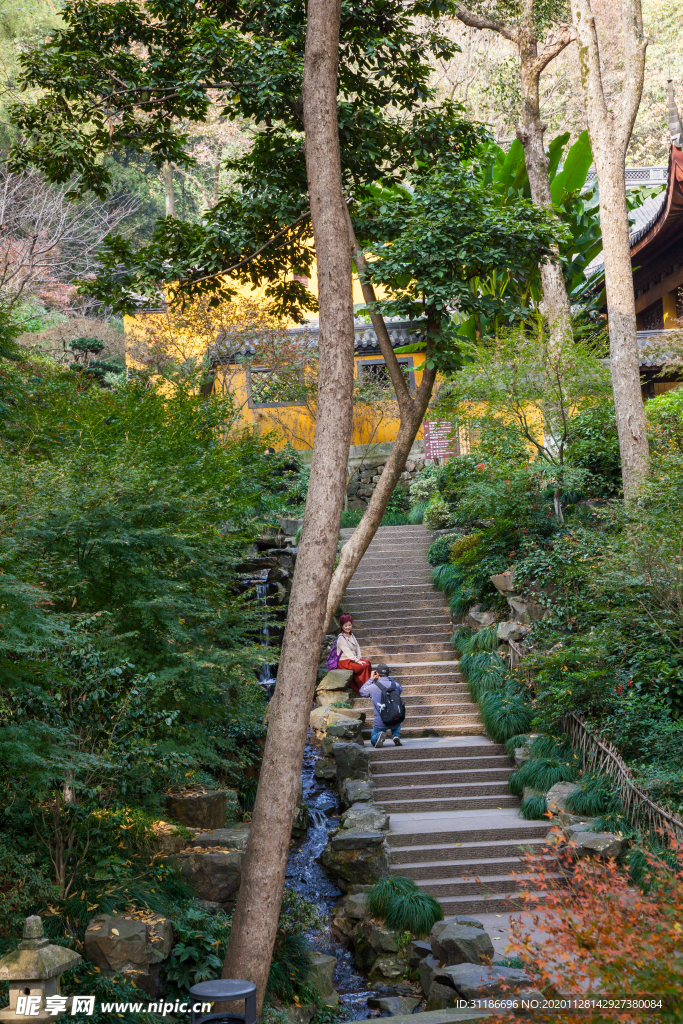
x=657 y=260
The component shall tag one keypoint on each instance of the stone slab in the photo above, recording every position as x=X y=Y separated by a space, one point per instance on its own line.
x=451 y=1016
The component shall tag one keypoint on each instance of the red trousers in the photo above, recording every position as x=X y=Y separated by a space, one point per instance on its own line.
x=361 y=671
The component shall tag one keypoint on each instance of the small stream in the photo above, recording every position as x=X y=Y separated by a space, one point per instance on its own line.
x=307 y=876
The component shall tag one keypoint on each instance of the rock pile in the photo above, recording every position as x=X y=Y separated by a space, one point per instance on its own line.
x=365 y=479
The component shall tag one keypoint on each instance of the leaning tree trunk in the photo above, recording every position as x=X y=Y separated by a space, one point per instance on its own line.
x=610 y=134
x=411 y=412
x=255 y=920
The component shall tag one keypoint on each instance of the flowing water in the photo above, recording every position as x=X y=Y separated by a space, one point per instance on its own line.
x=305 y=874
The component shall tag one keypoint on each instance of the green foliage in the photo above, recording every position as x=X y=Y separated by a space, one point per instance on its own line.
x=534 y=808
x=24 y=890
x=437 y=515
x=199 y=941
x=438 y=551
x=504 y=714
x=289 y=967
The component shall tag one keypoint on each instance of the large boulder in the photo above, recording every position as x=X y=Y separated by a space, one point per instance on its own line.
x=214 y=875
x=136 y=948
x=336 y=679
x=356 y=906
x=321 y=973
x=556 y=797
x=471 y=922
x=476 y=619
x=352 y=761
x=395 y=1006
x=325 y=768
x=598 y=844
x=441 y=997
x=346 y=731
x=462 y=944
x=354 y=791
x=417 y=951
x=223 y=838
x=388 y=968
x=356 y=857
x=321 y=718
x=169 y=838
x=325 y=697
x=365 y=817
x=504 y=582
x=200 y=808
x=474 y=982
x=527 y=610
x=511 y=630
x=382 y=940
x=428 y=969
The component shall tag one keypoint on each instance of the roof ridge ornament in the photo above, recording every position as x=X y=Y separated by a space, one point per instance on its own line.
x=675 y=126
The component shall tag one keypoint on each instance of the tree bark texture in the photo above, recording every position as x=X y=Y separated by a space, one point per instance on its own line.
x=555 y=305
x=411 y=412
x=610 y=133
x=258 y=905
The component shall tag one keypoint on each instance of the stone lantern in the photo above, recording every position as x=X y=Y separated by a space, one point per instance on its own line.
x=33 y=971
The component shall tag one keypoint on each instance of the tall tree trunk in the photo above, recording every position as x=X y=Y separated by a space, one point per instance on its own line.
x=555 y=306
x=169 y=189
x=610 y=133
x=411 y=412
x=258 y=905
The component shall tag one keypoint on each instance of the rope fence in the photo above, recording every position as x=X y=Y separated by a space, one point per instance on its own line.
x=600 y=756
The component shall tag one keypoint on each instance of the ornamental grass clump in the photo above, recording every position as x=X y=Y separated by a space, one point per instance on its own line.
x=549 y=762
x=402 y=906
x=534 y=807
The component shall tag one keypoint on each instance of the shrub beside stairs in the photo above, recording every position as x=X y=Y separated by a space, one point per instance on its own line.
x=454 y=824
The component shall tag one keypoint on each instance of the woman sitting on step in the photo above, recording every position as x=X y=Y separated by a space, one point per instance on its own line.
x=349 y=652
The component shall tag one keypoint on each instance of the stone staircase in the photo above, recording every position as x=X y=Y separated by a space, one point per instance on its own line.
x=454 y=824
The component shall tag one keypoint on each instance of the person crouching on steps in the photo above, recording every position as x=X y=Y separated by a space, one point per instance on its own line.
x=385 y=694
x=349 y=652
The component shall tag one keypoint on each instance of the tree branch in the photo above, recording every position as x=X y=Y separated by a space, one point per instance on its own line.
x=552 y=49
x=474 y=20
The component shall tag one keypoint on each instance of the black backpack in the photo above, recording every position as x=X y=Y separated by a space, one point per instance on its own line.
x=393 y=710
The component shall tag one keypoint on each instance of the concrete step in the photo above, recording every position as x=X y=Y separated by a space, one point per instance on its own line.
x=391 y=575
x=445 y=717
x=439 y=691
x=407 y=634
x=490 y=885
x=391 y=789
x=391 y=650
x=425 y=856
x=448 y=803
x=415 y=660
x=398 y=609
x=403 y=621
x=522 y=832
x=487 y=903
x=433 y=679
x=432 y=754
x=426 y=700
x=466 y=728
x=452 y=1016
x=408 y=767
x=445 y=776
x=397 y=590
x=441 y=871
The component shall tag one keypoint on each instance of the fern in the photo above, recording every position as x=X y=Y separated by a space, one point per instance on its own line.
x=534 y=808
